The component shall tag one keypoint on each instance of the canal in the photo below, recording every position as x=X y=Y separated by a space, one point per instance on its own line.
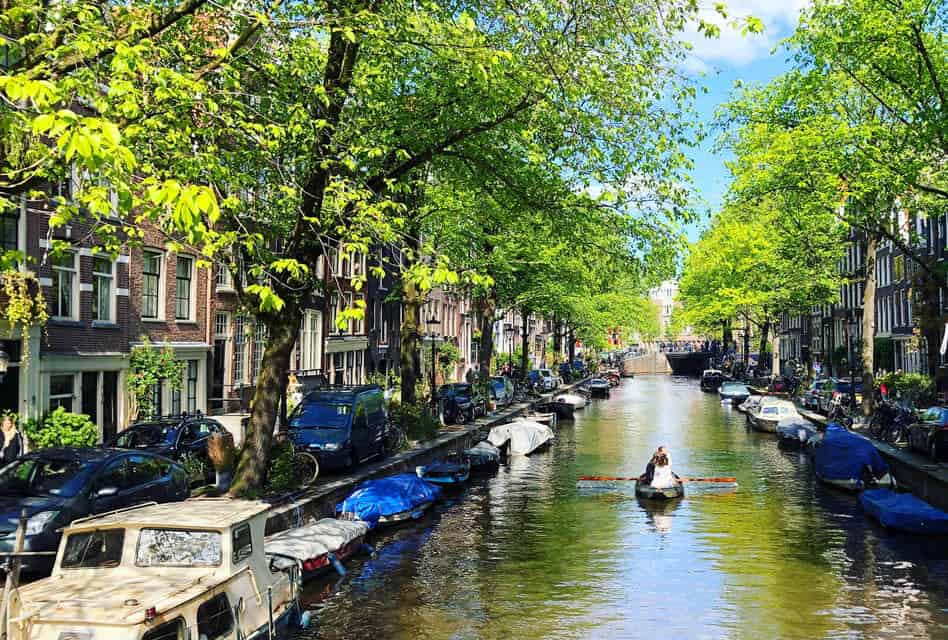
x=529 y=553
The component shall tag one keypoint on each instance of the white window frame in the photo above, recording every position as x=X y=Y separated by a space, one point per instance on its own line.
x=223 y=281
x=74 y=287
x=160 y=301
x=97 y=276
x=50 y=397
x=192 y=282
x=240 y=351
x=311 y=339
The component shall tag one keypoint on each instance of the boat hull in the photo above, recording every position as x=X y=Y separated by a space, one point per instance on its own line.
x=764 y=425
x=645 y=491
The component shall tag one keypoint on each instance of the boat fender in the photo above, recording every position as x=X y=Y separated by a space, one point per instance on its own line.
x=420 y=471
x=417 y=515
x=306 y=619
x=334 y=561
x=367 y=549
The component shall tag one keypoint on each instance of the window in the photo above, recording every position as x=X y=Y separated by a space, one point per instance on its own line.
x=215 y=619
x=357 y=323
x=348 y=305
x=151 y=285
x=310 y=342
x=240 y=345
x=190 y=386
x=103 y=278
x=61 y=388
x=259 y=343
x=114 y=476
x=333 y=313
x=899 y=267
x=243 y=544
x=94 y=549
x=222 y=279
x=222 y=326
x=63 y=298
x=182 y=288
x=179 y=548
x=9 y=230
x=173 y=630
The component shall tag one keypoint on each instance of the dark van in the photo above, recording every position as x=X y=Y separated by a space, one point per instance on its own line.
x=340 y=426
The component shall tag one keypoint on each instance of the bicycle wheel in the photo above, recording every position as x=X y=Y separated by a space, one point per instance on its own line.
x=307 y=467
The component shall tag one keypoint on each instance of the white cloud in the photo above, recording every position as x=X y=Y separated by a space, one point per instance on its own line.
x=780 y=18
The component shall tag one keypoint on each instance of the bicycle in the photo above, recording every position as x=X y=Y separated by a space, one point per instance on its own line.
x=395 y=437
x=305 y=465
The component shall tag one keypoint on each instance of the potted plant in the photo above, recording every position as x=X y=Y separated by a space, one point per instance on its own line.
x=223 y=454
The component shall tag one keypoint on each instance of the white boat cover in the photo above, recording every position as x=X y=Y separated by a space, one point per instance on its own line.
x=311 y=541
x=548 y=419
x=525 y=436
x=574 y=399
x=486 y=449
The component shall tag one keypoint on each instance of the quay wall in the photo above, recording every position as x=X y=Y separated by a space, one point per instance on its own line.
x=647 y=364
x=320 y=501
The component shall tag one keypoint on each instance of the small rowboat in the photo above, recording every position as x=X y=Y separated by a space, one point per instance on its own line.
x=450 y=473
x=317 y=547
x=648 y=492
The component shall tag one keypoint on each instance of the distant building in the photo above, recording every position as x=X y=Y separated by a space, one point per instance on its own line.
x=665 y=296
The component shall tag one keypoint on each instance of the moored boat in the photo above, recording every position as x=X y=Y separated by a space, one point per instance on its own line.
x=734 y=392
x=772 y=413
x=904 y=512
x=483 y=457
x=567 y=404
x=389 y=500
x=317 y=547
x=448 y=473
x=797 y=434
x=599 y=388
x=521 y=437
x=646 y=491
x=849 y=461
x=750 y=406
x=161 y=571
x=711 y=379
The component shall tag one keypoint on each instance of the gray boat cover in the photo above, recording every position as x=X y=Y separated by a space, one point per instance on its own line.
x=311 y=541
x=525 y=436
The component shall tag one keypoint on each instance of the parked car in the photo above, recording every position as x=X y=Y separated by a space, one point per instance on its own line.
x=566 y=372
x=341 y=426
x=460 y=402
x=58 y=485
x=811 y=397
x=836 y=391
x=549 y=380
x=173 y=437
x=930 y=434
x=501 y=390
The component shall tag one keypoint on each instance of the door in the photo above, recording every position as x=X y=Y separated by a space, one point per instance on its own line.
x=108 y=491
x=109 y=405
x=90 y=395
x=217 y=375
x=10 y=385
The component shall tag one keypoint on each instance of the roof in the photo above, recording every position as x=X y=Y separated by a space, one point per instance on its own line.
x=200 y=513
x=86 y=454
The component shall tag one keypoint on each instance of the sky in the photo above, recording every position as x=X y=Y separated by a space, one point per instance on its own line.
x=724 y=60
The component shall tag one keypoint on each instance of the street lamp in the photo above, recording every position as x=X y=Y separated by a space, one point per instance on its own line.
x=4 y=363
x=509 y=330
x=851 y=326
x=433 y=322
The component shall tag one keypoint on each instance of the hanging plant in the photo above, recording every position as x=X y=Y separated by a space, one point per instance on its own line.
x=25 y=307
x=149 y=366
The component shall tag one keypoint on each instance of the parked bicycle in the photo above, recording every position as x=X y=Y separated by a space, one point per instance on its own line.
x=840 y=416
x=305 y=465
x=890 y=422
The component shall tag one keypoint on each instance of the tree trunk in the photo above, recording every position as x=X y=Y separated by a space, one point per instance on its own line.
x=524 y=344
x=869 y=325
x=254 y=461
x=764 y=337
x=557 y=341
x=486 y=308
x=409 y=354
x=571 y=347
x=726 y=335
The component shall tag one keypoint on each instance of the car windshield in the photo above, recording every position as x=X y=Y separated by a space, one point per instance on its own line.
x=316 y=415
x=146 y=435
x=63 y=477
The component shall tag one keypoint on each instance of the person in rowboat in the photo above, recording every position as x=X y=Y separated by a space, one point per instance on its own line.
x=649 y=474
x=662 y=476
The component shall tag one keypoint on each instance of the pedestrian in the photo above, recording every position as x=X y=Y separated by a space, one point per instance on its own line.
x=12 y=440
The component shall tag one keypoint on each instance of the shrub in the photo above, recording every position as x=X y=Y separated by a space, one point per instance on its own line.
x=195 y=466
x=415 y=420
x=282 y=475
x=916 y=388
x=61 y=429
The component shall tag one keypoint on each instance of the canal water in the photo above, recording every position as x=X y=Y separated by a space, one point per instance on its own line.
x=530 y=553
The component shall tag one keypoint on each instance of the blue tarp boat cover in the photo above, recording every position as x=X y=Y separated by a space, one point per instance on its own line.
x=374 y=499
x=842 y=455
x=796 y=431
x=904 y=512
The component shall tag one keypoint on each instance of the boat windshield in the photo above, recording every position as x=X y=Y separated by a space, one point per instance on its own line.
x=62 y=477
x=178 y=548
x=94 y=549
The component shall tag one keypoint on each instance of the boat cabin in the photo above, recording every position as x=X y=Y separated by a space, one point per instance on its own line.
x=178 y=571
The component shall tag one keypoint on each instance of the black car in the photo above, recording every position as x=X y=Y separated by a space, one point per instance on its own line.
x=460 y=402
x=58 y=485
x=173 y=437
x=930 y=434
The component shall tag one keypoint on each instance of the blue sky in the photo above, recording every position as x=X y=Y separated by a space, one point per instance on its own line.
x=724 y=60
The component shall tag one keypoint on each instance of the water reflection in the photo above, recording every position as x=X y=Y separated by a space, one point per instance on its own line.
x=528 y=553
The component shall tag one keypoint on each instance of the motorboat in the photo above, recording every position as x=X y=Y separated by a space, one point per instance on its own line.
x=567 y=404
x=549 y=419
x=750 y=406
x=797 y=433
x=772 y=413
x=162 y=571
x=711 y=379
x=453 y=472
x=521 y=437
x=849 y=461
x=734 y=392
x=599 y=388
x=483 y=457
x=645 y=491
x=904 y=512
x=316 y=548
x=389 y=500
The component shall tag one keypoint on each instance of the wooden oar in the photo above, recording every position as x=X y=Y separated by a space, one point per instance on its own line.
x=633 y=479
